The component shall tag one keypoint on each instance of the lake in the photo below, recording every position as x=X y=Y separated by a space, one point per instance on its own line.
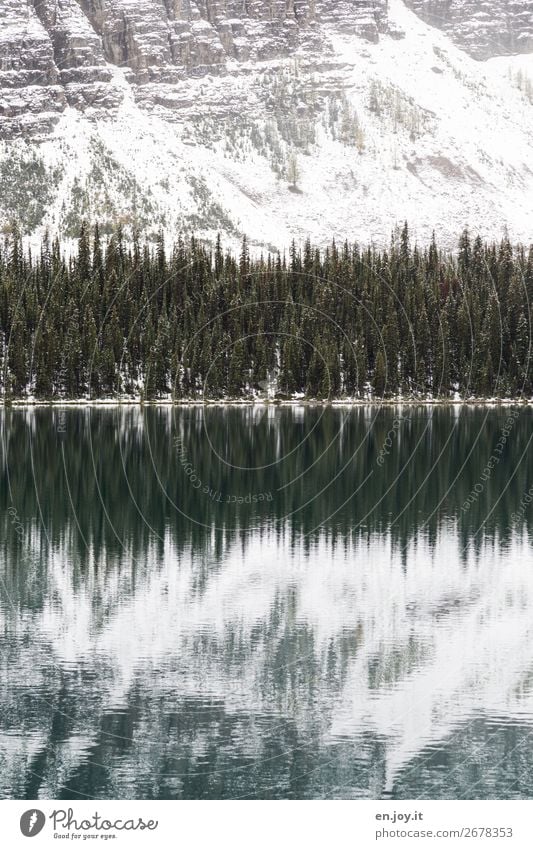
x=281 y=602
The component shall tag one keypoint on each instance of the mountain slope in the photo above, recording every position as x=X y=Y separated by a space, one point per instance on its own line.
x=337 y=134
x=484 y=28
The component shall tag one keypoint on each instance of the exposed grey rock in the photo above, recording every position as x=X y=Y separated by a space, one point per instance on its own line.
x=484 y=28
x=55 y=53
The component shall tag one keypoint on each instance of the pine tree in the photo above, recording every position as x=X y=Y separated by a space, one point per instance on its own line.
x=380 y=375
x=236 y=377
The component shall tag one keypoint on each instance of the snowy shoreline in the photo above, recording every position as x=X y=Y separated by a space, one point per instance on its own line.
x=296 y=402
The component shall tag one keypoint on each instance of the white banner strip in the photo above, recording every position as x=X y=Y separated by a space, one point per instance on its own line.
x=268 y=824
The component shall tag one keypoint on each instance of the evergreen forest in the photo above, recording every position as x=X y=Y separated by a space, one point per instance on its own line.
x=121 y=318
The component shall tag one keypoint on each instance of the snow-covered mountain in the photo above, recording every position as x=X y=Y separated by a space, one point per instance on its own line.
x=484 y=28
x=281 y=119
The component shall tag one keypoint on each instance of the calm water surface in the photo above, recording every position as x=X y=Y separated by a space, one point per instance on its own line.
x=292 y=603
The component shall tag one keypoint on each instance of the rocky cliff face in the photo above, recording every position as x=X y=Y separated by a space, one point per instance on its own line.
x=275 y=118
x=50 y=57
x=55 y=53
x=484 y=28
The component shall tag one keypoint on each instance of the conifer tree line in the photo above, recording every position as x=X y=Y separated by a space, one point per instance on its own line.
x=127 y=318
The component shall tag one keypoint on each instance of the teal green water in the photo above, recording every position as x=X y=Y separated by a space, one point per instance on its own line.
x=282 y=603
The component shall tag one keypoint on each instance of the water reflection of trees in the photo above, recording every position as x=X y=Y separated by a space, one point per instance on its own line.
x=120 y=681
x=115 y=477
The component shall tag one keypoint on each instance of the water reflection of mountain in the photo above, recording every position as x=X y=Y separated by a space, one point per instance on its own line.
x=186 y=661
